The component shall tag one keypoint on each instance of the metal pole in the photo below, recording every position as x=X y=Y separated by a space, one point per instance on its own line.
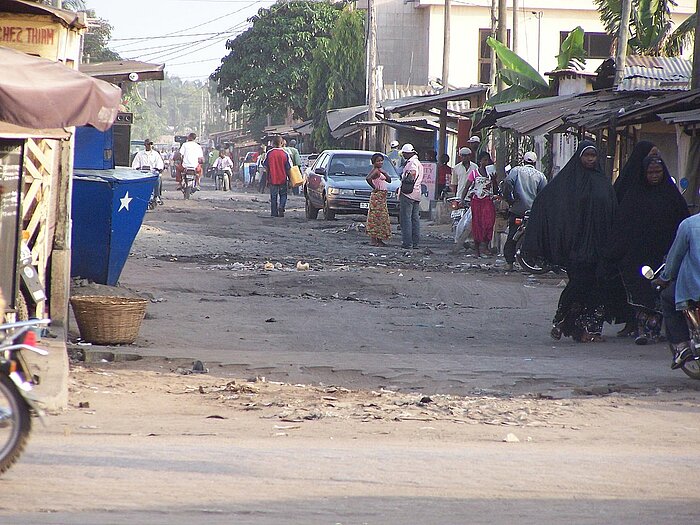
x=695 y=81
x=372 y=73
x=516 y=28
x=622 y=38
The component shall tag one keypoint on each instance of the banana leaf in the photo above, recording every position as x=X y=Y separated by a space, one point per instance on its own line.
x=514 y=62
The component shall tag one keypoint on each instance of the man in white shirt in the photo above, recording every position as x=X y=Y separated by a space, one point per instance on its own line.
x=460 y=173
x=192 y=157
x=409 y=201
x=150 y=160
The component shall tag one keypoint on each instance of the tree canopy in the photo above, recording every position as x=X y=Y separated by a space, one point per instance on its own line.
x=651 y=28
x=337 y=74
x=96 y=39
x=267 y=68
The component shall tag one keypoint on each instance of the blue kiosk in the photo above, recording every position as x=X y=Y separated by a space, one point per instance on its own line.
x=109 y=204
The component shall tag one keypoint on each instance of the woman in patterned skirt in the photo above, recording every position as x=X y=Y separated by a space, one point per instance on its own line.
x=378 y=225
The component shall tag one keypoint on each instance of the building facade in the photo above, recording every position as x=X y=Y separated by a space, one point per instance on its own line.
x=410 y=37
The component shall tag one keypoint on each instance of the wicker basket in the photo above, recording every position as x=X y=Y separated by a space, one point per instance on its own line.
x=108 y=320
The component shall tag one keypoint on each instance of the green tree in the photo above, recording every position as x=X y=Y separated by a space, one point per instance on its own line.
x=96 y=40
x=337 y=73
x=651 y=28
x=267 y=67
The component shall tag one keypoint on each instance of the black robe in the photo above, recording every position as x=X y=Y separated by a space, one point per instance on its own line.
x=644 y=228
x=630 y=172
x=571 y=218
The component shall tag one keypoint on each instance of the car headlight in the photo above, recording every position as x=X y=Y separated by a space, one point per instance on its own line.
x=347 y=192
x=389 y=194
x=334 y=191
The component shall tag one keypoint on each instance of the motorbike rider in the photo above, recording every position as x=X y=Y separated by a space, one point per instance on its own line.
x=680 y=281
x=459 y=182
x=151 y=159
x=192 y=157
x=224 y=164
x=520 y=188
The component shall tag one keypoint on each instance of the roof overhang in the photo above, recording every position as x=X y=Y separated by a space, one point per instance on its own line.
x=67 y=18
x=10 y=131
x=120 y=71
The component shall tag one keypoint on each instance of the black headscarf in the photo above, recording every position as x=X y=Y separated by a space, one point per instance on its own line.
x=572 y=216
x=645 y=226
x=630 y=171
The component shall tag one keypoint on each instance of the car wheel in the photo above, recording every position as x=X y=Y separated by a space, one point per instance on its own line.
x=310 y=211
x=328 y=214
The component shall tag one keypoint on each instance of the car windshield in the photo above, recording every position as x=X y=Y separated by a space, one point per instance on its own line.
x=356 y=165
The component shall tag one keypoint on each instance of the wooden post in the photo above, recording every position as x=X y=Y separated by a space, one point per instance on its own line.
x=622 y=38
x=372 y=73
x=516 y=28
x=442 y=136
x=494 y=23
x=502 y=32
x=61 y=254
x=695 y=80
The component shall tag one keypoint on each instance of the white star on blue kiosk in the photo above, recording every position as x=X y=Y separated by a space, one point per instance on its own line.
x=125 y=200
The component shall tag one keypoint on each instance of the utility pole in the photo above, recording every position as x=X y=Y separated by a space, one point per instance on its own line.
x=442 y=136
x=516 y=28
x=695 y=81
x=372 y=73
x=494 y=24
x=622 y=38
x=502 y=32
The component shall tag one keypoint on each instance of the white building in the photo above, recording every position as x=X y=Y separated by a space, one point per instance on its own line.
x=410 y=36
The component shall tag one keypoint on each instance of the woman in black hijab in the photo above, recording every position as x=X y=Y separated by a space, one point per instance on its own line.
x=644 y=228
x=630 y=172
x=569 y=226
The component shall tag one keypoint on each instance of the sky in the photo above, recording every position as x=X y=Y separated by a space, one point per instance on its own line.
x=189 y=36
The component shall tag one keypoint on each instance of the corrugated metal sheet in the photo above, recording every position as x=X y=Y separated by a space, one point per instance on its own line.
x=681 y=117
x=644 y=73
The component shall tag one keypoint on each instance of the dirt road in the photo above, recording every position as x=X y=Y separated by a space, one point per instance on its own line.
x=380 y=386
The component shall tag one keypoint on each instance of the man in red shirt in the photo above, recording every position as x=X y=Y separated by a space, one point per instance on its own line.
x=278 y=165
x=444 y=173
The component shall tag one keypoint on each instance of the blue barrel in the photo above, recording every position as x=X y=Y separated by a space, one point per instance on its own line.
x=108 y=209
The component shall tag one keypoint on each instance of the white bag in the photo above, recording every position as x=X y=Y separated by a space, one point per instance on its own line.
x=464 y=227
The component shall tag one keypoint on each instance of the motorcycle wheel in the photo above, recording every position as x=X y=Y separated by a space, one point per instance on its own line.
x=15 y=423
x=531 y=266
x=691 y=368
x=187 y=190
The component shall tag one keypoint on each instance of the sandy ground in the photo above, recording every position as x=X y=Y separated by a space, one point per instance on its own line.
x=380 y=386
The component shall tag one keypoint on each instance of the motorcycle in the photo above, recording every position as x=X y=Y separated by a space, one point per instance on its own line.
x=529 y=264
x=188 y=182
x=222 y=179
x=691 y=366
x=153 y=201
x=16 y=383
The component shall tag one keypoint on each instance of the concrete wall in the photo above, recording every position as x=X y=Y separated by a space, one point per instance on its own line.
x=402 y=42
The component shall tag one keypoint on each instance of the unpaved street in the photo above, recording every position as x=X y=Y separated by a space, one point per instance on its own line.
x=380 y=386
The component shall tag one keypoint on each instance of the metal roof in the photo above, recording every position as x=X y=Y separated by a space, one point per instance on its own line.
x=644 y=73
x=427 y=102
x=119 y=70
x=682 y=117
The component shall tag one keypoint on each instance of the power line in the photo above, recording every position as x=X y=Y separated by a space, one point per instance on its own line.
x=138 y=38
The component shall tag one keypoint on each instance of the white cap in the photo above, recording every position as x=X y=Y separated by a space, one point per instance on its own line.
x=408 y=148
x=530 y=156
x=394 y=144
x=465 y=151
x=475 y=139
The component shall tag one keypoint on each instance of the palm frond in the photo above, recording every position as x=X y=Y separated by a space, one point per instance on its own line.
x=682 y=36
